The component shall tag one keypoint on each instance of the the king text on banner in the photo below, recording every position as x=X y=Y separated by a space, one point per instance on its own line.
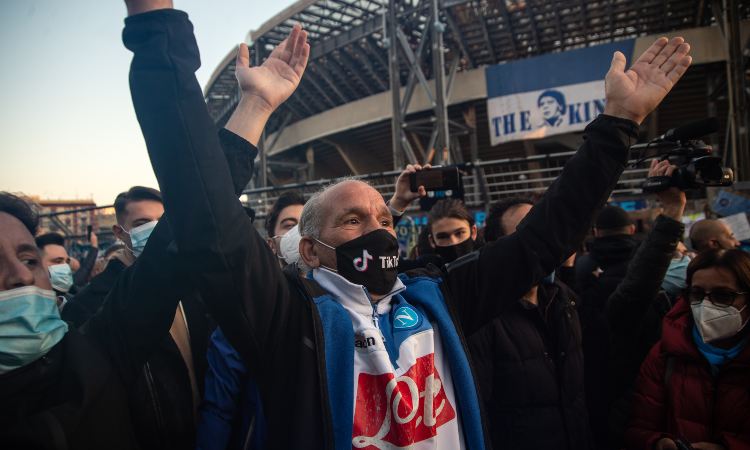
x=549 y=94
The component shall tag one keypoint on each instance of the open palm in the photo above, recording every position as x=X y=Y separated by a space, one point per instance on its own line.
x=634 y=93
x=279 y=75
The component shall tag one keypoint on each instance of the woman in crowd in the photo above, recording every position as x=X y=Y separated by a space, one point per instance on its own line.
x=694 y=386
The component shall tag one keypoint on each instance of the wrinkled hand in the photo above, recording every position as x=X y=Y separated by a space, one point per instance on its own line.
x=403 y=195
x=276 y=79
x=634 y=93
x=672 y=200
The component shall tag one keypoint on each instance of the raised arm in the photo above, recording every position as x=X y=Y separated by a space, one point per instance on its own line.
x=215 y=239
x=506 y=269
x=630 y=302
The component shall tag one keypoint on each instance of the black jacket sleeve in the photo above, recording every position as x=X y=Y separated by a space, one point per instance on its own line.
x=239 y=154
x=139 y=309
x=630 y=302
x=233 y=268
x=504 y=270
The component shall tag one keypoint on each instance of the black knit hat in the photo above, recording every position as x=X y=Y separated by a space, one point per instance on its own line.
x=612 y=217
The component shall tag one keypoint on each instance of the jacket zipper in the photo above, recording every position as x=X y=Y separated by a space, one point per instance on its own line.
x=375 y=317
x=155 y=403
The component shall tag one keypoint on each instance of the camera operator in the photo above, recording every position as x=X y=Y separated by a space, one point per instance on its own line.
x=635 y=309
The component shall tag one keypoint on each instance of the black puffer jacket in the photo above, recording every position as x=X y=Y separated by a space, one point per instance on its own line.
x=529 y=364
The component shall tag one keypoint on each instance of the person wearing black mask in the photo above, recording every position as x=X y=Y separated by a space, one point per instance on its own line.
x=383 y=357
x=453 y=232
x=611 y=251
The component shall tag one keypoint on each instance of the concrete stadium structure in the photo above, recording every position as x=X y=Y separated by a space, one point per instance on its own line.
x=341 y=120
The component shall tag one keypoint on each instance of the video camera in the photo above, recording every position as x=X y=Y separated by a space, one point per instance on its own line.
x=697 y=165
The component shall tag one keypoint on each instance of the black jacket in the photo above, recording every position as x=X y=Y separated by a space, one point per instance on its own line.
x=264 y=315
x=610 y=254
x=160 y=399
x=87 y=302
x=75 y=397
x=529 y=364
x=634 y=313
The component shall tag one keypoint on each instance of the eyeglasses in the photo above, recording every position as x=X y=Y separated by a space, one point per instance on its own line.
x=722 y=298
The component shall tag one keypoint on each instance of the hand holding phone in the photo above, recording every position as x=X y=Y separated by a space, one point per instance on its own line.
x=435 y=179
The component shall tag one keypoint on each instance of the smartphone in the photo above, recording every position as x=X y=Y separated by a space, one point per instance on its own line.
x=89 y=228
x=435 y=179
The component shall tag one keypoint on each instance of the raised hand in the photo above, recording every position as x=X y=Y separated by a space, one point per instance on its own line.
x=275 y=80
x=672 y=200
x=403 y=194
x=634 y=93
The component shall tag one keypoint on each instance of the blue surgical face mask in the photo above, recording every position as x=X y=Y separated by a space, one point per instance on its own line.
x=61 y=277
x=30 y=326
x=139 y=236
x=674 y=281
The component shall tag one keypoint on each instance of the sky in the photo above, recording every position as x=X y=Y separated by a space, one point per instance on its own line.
x=67 y=126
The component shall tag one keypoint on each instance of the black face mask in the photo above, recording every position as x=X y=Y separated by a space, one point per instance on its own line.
x=451 y=253
x=370 y=260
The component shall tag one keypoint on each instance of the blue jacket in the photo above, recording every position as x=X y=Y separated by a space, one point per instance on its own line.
x=231 y=414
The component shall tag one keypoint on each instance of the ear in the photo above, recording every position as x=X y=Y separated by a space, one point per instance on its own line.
x=631 y=229
x=596 y=232
x=473 y=232
x=117 y=231
x=432 y=241
x=270 y=244
x=308 y=252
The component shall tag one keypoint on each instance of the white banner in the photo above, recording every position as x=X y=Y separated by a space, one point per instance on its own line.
x=537 y=114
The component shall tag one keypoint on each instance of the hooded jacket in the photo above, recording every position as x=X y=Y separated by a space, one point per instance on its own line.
x=297 y=341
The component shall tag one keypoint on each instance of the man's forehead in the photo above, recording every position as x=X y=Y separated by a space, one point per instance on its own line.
x=350 y=195
x=55 y=250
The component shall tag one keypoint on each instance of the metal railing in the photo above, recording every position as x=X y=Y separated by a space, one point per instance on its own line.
x=484 y=182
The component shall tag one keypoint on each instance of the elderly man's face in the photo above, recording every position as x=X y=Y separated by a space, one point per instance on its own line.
x=350 y=209
x=20 y=259
x=549 y=107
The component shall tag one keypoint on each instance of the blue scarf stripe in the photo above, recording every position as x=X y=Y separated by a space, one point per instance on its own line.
x=338 y=337
x=425 y=292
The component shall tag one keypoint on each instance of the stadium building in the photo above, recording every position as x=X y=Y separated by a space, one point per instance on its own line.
x=517 y=81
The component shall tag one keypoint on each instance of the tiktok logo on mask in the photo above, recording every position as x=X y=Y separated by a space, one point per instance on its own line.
x=361 y=263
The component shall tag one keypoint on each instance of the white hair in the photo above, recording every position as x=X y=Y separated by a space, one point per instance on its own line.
x=311 y=219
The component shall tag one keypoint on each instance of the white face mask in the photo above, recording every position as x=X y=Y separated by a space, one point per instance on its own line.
x=289 y=245
x=716 y=323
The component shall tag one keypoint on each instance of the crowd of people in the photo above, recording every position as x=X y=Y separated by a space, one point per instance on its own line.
x=196 y=331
